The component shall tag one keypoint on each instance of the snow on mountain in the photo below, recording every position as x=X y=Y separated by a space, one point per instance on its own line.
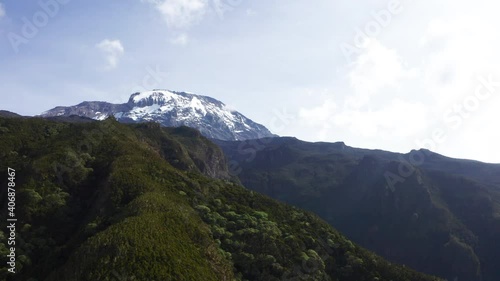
x=210 y=116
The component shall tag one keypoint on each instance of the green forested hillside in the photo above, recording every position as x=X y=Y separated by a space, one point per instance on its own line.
x=107 y=201
x=438 y=215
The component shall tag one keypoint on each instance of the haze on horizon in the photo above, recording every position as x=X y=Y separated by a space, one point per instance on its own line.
x=392 y=75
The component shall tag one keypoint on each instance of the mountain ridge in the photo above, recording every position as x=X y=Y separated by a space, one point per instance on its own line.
x=172 y=109
x=106 y=201
x=440 y=215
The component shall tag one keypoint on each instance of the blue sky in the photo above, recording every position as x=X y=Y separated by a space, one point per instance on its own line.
x=394 y=75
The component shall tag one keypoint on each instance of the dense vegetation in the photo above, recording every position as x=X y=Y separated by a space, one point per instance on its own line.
x=107 y=201
x=438 y=215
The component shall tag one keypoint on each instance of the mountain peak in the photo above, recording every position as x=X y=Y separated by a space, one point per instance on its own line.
x=172 y=109
x=157 y=96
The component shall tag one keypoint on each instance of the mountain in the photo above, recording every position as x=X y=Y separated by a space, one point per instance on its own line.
x=8 y=114
x=436 y=214
x=109 y=201
x=172 y=109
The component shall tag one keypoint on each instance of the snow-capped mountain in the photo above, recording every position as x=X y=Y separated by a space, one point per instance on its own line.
x=210 y=116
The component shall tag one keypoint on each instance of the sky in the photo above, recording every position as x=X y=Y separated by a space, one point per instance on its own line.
x=395 y=75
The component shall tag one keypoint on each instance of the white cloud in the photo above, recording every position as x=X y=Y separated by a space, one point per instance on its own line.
x=2 y=10
x=318 y=114
x=375 y=69
x=457 y=51
x=180 y=14
x=113 y=50
x=319 y=117
x=479 y=140
x=397 y=119
x=181 y=39
x=373 y=106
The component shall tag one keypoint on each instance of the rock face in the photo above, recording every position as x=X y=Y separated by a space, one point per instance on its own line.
x=172 y=109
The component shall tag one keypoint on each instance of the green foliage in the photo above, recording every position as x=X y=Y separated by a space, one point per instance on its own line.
x=106 y=201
